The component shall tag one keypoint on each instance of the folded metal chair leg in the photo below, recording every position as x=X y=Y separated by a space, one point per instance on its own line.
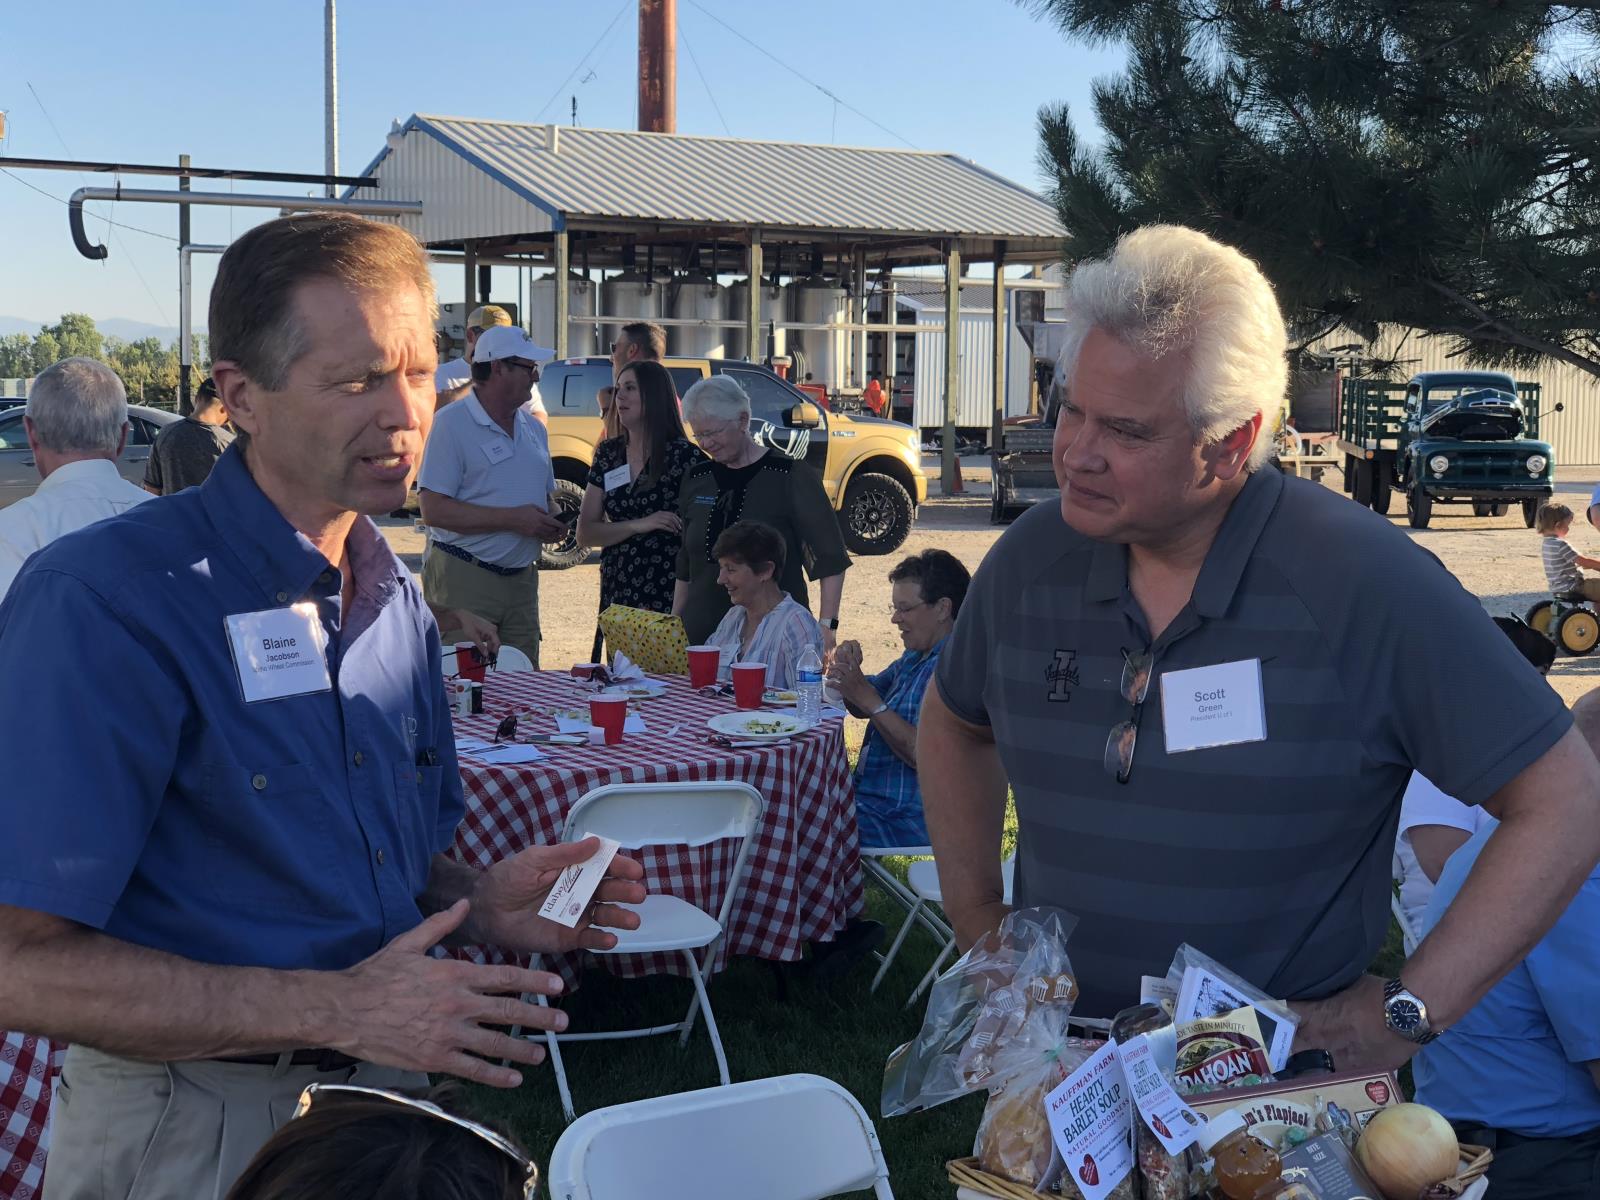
x=894 y=947
x=711 y=1020
x=933 y=972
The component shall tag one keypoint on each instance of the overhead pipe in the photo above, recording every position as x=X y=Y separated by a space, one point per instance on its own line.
x=91 y=250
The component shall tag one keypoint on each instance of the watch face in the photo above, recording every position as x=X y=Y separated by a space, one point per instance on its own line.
x=1404 y=1016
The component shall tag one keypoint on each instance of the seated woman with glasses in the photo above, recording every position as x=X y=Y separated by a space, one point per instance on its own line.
x=348 y=1142
x=927 y=591
x=763 y=623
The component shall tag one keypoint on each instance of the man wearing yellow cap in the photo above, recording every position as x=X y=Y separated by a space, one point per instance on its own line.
x=453 y=380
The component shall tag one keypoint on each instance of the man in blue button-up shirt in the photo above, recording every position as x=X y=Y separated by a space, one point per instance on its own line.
x=233 y=778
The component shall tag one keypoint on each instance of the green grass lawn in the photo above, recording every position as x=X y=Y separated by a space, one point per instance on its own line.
x=842 y=1031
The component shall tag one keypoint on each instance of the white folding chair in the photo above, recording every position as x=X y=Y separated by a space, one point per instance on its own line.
x=509 y=658
x=795 y=1137
x=872 y=864
x=666 y=814
x=1408 y=936
x=925 y=882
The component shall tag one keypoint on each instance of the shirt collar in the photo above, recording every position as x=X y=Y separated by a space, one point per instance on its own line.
x=482 y=417
x=96 y=471
x=281 y=559
x=1225 y=561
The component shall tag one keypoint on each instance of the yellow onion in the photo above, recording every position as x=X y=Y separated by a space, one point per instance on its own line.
x=1408 y=1149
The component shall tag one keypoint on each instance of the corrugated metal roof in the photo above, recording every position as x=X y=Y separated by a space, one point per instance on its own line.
x=579 y=173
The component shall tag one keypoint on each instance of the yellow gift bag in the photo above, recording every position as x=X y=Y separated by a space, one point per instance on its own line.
x=656 y=641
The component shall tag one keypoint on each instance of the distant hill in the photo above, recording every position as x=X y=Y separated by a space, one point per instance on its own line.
x=125 y=328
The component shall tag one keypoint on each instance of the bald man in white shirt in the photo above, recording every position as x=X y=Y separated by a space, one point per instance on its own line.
x=77 y=422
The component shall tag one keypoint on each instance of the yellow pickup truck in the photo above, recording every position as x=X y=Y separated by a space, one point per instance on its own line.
x=871 y=468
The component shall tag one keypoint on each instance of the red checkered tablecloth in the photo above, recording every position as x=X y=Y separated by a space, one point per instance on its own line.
x=803 y=880
x=28 y=1068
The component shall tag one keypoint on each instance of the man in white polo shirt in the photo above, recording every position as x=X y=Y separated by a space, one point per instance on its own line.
x=485 y=486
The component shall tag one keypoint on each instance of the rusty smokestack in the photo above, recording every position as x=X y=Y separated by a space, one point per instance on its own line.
x=658 y=66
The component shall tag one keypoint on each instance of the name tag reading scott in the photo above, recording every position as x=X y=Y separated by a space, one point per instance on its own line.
x=618 y=477
x=279 y=652
x=496 y=451
x=1219 y=705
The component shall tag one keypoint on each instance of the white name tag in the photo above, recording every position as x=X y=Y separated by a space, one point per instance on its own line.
x=496 y=451
x=1213 y=706
x=618 y=477
x=279 y=652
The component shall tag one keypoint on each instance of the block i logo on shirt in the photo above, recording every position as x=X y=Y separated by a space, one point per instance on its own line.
x=1062 y=676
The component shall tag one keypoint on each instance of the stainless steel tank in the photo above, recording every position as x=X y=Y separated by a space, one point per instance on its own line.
x=773 y=311
x=818 y=300
x=582 y=339
x=632 y=296
x=696 y=297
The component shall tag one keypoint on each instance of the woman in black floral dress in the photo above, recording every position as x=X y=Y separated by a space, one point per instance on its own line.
x=630 y=507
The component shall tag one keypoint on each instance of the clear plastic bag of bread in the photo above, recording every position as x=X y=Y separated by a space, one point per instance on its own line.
x=1014 y=1139
x=979 y=1005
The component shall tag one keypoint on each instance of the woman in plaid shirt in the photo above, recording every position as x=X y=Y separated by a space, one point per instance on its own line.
x=927 y=590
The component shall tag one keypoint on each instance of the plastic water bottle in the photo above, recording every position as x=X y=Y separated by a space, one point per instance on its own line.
x=808 y=686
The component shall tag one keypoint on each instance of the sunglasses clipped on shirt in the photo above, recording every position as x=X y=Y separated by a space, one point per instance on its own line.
x=316 y=1093
x=1137 y=669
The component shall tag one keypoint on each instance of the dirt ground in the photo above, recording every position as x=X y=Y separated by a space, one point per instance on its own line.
x=1495 y=558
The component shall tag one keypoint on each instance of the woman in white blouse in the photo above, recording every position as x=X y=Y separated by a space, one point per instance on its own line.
x=765 y=624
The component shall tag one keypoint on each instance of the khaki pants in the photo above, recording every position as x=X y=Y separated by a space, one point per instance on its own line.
x=510 y=601
x=125 y=1130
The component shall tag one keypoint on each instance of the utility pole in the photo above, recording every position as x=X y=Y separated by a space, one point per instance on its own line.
x=330 y=90
x=186 y=340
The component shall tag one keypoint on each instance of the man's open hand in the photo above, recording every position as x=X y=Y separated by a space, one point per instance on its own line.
x=402 y=1008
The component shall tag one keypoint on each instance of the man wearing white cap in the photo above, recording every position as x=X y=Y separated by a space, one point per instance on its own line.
x=486 y=487
x=453 y=380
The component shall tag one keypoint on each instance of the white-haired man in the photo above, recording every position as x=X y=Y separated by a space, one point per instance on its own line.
x=76 y=422
x=1207 y=685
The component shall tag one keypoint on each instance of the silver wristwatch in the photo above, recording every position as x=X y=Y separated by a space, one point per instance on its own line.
x=1405 y=1013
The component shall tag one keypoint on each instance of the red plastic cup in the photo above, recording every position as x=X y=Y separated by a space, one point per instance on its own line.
x=749 y=681
x=704 y=662
x=470 y=662
x=609 y=713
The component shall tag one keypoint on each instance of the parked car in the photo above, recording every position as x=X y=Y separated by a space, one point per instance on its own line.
x=19 y=477
x=871 y=468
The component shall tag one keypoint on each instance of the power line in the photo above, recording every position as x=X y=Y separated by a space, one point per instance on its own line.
x=802 y=76
x=705 y=83
x=59 y=200
x=582 y=61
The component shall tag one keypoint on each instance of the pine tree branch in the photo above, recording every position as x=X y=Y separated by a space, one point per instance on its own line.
x=1492 y=329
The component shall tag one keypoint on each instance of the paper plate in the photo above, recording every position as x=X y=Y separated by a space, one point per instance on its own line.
x=757 y=726
x=780 y=699
x=637 y=689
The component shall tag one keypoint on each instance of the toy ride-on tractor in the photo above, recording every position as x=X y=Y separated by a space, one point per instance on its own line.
x=1568 y=620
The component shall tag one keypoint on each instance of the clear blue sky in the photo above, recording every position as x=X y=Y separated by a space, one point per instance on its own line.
x=240 y=85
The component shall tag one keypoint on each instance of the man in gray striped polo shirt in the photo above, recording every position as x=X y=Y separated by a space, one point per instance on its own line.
x=1207 y=685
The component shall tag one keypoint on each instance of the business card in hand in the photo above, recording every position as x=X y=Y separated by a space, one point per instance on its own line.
x=576 y=887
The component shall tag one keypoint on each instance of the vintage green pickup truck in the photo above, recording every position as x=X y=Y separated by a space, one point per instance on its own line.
x=1445 y=437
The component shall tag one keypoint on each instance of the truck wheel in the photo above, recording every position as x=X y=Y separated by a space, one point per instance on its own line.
x=1381 y=489
x=1579 y=631
x=1530 y=512
x=1349 y=475
x=1363 y=486
x=877 y=514
x=1481 y=508
x=1498 y=510
x=1419 y=508
x=558 y=556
